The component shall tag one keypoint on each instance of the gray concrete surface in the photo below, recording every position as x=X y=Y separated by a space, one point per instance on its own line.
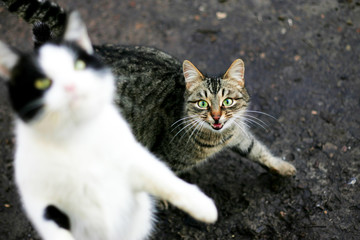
x=302 y=66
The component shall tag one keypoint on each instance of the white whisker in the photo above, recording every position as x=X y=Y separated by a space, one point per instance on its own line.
x=241 y=127
x=249 y=120
x=191 y=122
x=193 y=125
x=266 y=114
x=256 y=119
x=181 y=121
x=198 y=126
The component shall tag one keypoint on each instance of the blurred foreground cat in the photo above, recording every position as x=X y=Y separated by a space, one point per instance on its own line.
x=183 y=116
x=80 y=172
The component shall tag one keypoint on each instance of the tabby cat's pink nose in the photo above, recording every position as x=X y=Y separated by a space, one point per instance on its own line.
x=216 y=117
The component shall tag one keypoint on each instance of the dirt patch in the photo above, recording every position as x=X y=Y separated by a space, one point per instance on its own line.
x=302 y=66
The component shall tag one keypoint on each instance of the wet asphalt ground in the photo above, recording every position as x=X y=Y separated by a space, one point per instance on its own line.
x=302 y=62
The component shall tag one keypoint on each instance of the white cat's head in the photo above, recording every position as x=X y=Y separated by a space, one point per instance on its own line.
x=61 y=82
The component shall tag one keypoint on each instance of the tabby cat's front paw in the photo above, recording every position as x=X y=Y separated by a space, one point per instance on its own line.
x=282 y=167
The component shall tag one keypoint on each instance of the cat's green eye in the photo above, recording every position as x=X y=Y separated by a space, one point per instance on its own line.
x=42 y=83
x=202 y=104
x=228 y=102
x=80 y=65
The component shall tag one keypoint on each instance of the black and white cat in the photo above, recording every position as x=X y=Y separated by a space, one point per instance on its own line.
x=80 y=172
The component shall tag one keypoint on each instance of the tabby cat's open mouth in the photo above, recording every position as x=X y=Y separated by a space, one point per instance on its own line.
x=217 y=126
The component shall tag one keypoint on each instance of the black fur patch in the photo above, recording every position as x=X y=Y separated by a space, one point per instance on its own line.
x=52 y=213
x=24 y=97
x=90 y=60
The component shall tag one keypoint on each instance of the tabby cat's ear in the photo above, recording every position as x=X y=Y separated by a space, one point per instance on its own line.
x=191 y=73
x=8 y=59
x=76 y=32
x=236 y=72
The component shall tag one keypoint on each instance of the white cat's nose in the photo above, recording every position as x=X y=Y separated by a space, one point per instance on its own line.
x=70 y=87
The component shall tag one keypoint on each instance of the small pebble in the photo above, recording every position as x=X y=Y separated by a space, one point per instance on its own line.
x=344 y=149
x=221 y=15
x=352 y=181
x=290 y=22
x=282 y=213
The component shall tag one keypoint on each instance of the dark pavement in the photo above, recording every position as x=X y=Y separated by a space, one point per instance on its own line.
x=302 y=62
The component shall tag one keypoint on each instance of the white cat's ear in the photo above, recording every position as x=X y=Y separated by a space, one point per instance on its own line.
x=236 y=72
x=191 y=73
x=76 y=32
x=8 y=59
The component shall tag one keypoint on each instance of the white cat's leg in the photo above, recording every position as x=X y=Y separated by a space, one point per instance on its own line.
x=142 y=222
x=152 y=176
x=41 y=216
x=257 y=151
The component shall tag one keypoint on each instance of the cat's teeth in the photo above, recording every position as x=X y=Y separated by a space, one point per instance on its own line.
x=217 y=126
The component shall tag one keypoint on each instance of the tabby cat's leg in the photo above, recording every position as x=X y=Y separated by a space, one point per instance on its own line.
x=257 y=151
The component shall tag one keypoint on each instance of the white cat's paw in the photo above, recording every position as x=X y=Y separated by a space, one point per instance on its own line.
x=283 y=168
x=60 y=234
x=197 y=204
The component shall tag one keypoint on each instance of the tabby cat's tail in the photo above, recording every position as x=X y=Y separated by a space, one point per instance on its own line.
x=48 y=18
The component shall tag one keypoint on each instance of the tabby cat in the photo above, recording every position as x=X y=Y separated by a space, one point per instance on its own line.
x=80 y=172
x=181 y=115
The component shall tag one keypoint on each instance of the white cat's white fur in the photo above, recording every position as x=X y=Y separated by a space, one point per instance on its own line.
x=81 y=157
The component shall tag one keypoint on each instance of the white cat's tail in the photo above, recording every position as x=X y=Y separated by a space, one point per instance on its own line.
x=154 y=177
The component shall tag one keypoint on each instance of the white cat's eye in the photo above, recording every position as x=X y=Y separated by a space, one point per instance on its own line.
x=80 y=65
x=202 y=104
x=228 y=102
x=42 y=83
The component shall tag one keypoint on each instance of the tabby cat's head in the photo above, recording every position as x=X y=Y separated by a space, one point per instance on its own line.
x=216 y=103
x=60 y=82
